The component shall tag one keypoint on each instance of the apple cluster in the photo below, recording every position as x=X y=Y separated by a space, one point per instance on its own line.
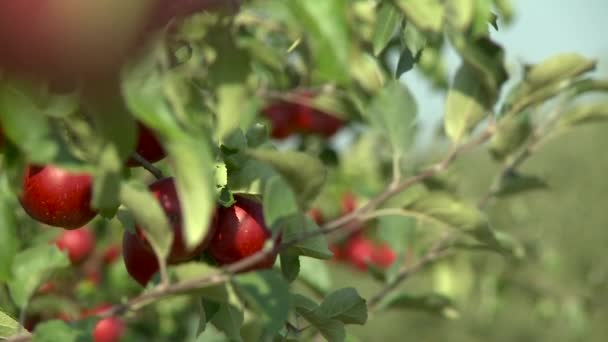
x=357 y=249
x=288 y=118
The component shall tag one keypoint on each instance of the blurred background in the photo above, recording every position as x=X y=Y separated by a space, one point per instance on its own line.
x=558 y=292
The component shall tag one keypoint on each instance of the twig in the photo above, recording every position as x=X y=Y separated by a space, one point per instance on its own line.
x=156 y=172
x=436 y=252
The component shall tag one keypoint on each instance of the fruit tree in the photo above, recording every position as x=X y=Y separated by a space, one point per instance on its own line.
x=193 y=170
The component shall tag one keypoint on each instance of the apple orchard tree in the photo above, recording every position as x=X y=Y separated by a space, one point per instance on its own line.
x=195 y=141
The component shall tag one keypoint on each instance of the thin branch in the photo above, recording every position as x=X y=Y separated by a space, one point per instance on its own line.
x=436 y=252
x=156 y=172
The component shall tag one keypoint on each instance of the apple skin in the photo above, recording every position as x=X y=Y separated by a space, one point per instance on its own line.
x=313 y=121
x=282 y=116
x=139 y=260
x=383 y=256
x=79 y=244
x=148 y=147
x=57 y=197
x=165 y=192
x=109 y=329
x=359 y=251
x=69 y=38
x=241 y=231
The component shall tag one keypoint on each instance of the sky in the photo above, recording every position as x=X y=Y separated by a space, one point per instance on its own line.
x=541 y=28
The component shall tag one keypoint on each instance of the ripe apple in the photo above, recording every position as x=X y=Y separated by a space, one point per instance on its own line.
x=148 y=146
x=111 y=254
x=241 y=232
x=313 y=121
x=79 y=244
x=359 y=251
x=165 y=192
x=282 y=117
x=67 y=38
x=57 y=197
x=109 y=329
x=383 y=256
x=139 y=260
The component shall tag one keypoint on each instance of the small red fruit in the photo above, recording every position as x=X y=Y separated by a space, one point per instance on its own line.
x=111 y=254
x=349 y=203
x=316 y=215
x=165 y=192
x=282 y=116
x=57 y=197
x=383 y=256
x=139 y=260
x=241 y=232
x=47 y=288
x=338 y=252
x=148 y=146
x=311 y=120
x=79 y=244
x=109 y=329
x=359 y=251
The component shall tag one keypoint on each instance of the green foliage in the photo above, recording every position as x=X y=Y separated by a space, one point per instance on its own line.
x=203 y=85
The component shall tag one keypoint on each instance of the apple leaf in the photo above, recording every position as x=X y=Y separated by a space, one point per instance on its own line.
x=267 y=294
x=344 y=305
x=515 y=183
x=194 y=270
x=31 y=267
x=585 y=113
x=290 y=265
x=511 y=134
x=8 y=326
x=279 y=202
x=229 y=320
x=556 y=68
x=426 y=15
x=315 y=274
x=314 y=247
x=56 y=330
x=331 y=329
x=9 y=242
x=433 y=303
x=387 y=22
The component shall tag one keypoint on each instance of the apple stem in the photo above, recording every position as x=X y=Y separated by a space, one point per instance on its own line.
x=158 y=174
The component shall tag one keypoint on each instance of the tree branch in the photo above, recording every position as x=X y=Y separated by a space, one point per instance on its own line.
x=156 y=172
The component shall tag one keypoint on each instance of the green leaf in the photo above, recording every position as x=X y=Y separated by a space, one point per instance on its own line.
x=426 y=15
x=279 y=201
x=585 y=113
x=344 y=305
x=387 y=21
x=443 y=209
x=9 y=242
x=304 y=173
x=466 y=104
x=290 y=265
x=143 y=85
x=393 y=112
x=396 y=231
x=229 y=319
x=459 y=13
x=8 y=326
x=511 y=134
x=195 y=270
x=53 y=331
x=315 y=274
x=326 y=23
x=267 y=294
x=234 y=66
x=433 y=303
x=192 y=163
x=235 y=109
x=24 y=124
x=149 y=215
x=31 y=267
x=331 y=329
x=557 y=68
x=515 y=183
x=314 y=247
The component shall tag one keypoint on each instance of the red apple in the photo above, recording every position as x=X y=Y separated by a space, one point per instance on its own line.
x=359 y=251
x=165 y=192
x=241 y=232
x=282 y=117
x=57 y=197
x=383 y=256
x=139 y=260
x=313 y=121
x=148 y=146
x=316 y=215
x=111 y=254
x=109 y=329
x=79 y=243
x=69 y=38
